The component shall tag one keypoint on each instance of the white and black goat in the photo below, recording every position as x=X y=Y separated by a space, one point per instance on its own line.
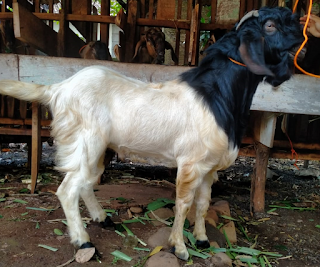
x=195 y=122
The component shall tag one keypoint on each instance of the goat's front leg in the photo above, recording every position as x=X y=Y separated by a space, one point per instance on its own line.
x=187 y=182
x=201 y=202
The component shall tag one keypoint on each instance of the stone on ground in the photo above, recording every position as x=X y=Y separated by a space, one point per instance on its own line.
x=222 y=208
x=163 y=259
x=163 y=213
x=160 y=238
x=230 y=230
x=220 y=260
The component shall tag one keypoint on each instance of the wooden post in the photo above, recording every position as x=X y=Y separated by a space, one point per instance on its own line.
x=263 y=133
x=131 y=29
x=35 y=144
x=258 y=180
x=104 y=28
x=63 y=26
x=194 y=35
x=177 y=48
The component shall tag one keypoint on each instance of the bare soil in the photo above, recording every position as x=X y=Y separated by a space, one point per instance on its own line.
x=292 y=233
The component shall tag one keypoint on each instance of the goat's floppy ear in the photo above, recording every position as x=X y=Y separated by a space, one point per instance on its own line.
x=151 y=49
x=138 y=45
x=173 y=55
x=252 y=53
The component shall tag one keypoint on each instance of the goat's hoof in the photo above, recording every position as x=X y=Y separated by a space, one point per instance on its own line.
x=182 y=255
x=108 y=223
x=202 y=244
x=90 y=245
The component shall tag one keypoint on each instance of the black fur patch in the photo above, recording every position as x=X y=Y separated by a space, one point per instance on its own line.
x=226 y=88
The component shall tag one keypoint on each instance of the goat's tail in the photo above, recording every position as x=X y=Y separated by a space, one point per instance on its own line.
x=26 y=91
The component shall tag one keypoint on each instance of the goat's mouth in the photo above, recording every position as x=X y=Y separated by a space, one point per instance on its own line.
x=301 y=55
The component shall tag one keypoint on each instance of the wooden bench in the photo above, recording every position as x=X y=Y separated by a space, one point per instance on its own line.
x=299 y=95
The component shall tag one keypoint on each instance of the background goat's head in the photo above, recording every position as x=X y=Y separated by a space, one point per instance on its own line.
x=151 y=48
x=95 y=50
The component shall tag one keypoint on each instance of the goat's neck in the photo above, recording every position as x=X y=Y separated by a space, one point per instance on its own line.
x=228 y=92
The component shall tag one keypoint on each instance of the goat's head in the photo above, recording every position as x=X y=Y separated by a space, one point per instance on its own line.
x=95 y=50
x=268 y=38
x=152 y=46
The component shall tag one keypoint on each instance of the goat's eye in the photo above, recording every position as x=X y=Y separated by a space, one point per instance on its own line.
x=270 y=27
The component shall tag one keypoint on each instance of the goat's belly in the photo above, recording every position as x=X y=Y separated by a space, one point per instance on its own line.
x=150 y=158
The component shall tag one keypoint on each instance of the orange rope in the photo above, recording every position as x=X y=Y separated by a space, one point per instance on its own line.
x=237 y=62
x=305 y=40
x=293 y=152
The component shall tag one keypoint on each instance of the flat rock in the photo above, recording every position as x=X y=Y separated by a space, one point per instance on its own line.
x=160 y=238
x=212 y=217
x=220 y=260
x=163 y=213
x=136 y=210
x=163 y=259
x=215 y=235
x=230 y=230
x=222 y=208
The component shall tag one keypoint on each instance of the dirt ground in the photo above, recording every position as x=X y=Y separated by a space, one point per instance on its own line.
x=290 y=232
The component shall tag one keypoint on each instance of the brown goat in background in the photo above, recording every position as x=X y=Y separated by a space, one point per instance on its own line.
x=151 y=48
x=95 y=50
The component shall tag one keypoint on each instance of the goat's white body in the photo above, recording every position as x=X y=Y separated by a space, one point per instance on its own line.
x=165 y=121
x=99 y=108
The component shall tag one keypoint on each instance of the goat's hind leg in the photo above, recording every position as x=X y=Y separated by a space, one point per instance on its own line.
x=93 y=206
x=201 y=202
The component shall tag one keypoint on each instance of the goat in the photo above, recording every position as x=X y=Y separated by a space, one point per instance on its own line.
x=95 y=50
x=151 y=48
x=194 y=122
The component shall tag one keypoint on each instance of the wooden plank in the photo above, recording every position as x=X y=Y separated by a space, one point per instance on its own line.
x=130 y=31
x=63 y=28
x=10 y=106
x=264 y=125
x=150 y=11
x=178 y=31
x=35 y=32
x=35 y=145
x=142 y=8
x=51 y=11
x=299 y=95
x=258 y=180
x=22 y=132
x=82 y=7
x=26 y=121
x=166 y=9
x=36 y=6
x=187 y=38
x=38 y=69
x=194 y=36
x=104 y=28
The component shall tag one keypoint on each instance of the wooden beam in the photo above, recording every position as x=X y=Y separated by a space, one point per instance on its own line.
x=264 y=125
x=258 y=180
x=290 y=96
x=63 y=28
x=104 y=28
x=130 y=31
x=37 y=34
x=35 y=145
x=22 y=132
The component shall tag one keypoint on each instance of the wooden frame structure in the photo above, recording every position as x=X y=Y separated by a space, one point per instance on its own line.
x=268 y=104
x=34 y=127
